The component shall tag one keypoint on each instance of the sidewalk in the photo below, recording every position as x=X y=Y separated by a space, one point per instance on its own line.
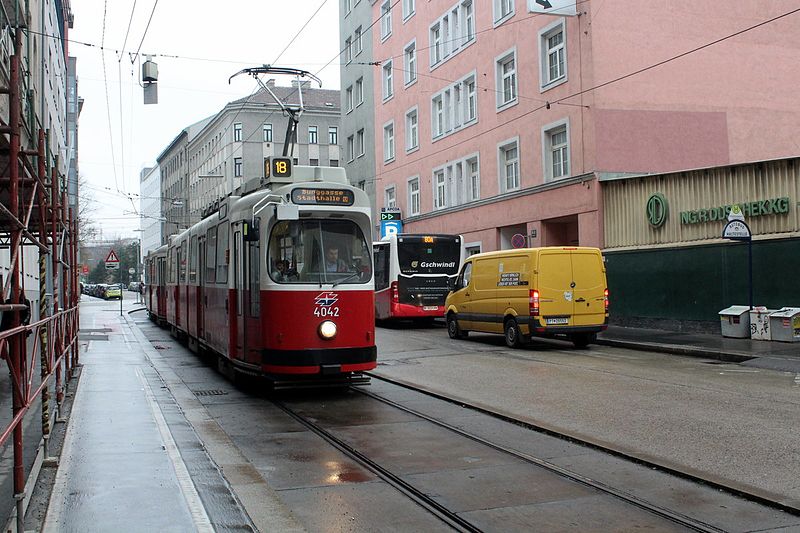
x=764 y=354
x=132 y=460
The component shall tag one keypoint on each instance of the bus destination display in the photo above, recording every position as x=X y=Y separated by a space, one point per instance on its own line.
x=322 y=196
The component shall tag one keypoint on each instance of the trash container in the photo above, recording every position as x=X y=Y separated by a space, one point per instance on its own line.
x=759 y=323
x=784 y=324
x=735 y=321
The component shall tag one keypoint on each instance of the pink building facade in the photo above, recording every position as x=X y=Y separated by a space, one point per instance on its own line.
x=493 y=120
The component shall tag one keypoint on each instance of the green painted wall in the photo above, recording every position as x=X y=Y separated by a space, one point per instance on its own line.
x=694 y=283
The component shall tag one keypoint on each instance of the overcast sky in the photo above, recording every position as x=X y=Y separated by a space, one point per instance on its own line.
x=213 y=41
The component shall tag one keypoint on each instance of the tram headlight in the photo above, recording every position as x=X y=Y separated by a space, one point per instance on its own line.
x=327 y=330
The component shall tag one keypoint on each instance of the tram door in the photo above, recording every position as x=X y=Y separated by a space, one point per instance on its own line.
x=201 y=280
x=239 y=284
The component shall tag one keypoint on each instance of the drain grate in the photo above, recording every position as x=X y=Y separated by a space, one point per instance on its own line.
x=212 y=392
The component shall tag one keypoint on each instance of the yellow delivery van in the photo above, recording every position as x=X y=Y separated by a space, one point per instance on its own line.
x=546 y=292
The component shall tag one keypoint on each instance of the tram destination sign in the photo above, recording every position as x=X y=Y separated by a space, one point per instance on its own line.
x=309 y=196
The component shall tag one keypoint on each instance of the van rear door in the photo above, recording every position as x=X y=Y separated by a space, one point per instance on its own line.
x=588 y=273
x=555 y=293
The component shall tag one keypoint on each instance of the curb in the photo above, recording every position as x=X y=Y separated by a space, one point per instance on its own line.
x=675 y=349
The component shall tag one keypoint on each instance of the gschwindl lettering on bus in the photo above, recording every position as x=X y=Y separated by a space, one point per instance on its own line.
x=438 y=265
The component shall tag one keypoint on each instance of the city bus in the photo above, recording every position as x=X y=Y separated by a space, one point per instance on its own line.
x=414 y=273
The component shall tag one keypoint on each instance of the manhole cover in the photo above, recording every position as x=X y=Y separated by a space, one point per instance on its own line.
x=212 y=392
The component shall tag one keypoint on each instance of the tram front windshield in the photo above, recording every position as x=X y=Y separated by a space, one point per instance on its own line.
x=319 y=251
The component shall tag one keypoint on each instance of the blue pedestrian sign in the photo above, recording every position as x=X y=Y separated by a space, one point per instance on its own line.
x=391 y=227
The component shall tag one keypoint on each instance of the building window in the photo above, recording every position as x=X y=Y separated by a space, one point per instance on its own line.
x=506 y=79
x=454 y=107
x=413 y=196
x=359 y=91
x=388 y=84
x=390 y=199
x=237 y=167
x=360 y=142
x=440 y=190
x=553 y=54
x=556 y=149
x=348 y=50
x=412 y=137
x=408 y=9
x=237 y=132
x=388 y=142
x=351 y=148
x=334 y=162
x=266 y=130
x=313 y=162
x=452 y=32
x=410 y=59
x=503 y=10
x=509 y=166
x=348 y=6
x=357 y=41
x=348 y=97
x=474 y=179
x=362 y=185
x=386 y=19
x=333 y=135
x=312 y=135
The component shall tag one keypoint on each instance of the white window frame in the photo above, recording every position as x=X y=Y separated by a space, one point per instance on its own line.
x=390 y=197
x=348 y=7
x=238 y=167
x=451 y=32
x=414 y=205
x=348 y=99
x=386 y=19
x=351 y=148
x=360 y=148
x=548 y=131
x=439 y=188
x=388 y=142
x=412 y=130
x=502 y=163
x=473 y=188
x=500 y=79
x=348 y=50
x=452 y=182
x=237 y=132
x=313 y=135
x=335 y=131
x=266 y=133
x=409 y=8
x=498 y=17
x=358 y=40
x=455 y=113
x=359 y=91
x=545 y=82
x=410 y=63
x=387 y=77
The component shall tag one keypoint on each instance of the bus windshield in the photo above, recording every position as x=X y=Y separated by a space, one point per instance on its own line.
x=440 y=255
x=319 y=251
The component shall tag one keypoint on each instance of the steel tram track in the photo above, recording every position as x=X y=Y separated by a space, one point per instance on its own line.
x=417 y=496
x=665 y=513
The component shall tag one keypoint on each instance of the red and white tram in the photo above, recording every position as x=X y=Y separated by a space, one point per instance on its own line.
x=155 y=290
x=278 y=282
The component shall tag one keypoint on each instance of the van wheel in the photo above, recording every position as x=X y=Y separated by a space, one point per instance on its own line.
x=452 y=328
x=582 y=340
x=513 y=335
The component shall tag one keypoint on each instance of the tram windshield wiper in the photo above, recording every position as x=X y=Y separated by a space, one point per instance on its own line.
x=351 y=276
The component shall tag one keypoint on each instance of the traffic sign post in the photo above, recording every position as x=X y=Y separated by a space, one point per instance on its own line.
x=737 y=230
x=112 y=261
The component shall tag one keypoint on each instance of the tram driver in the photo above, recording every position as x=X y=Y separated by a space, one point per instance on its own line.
x=333 y=263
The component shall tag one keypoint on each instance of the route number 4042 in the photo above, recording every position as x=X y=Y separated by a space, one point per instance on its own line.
x=323 y=312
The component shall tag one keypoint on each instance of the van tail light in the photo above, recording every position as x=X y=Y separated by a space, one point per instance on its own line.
x=533 y=302
x=605 y=299
x=395 y=293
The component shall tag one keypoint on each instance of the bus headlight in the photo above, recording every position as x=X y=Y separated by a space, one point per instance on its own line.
x=327 y=330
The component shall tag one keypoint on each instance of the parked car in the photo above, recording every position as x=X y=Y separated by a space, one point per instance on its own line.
x=112 y=292
x=133 y=286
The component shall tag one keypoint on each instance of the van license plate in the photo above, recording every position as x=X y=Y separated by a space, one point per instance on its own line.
x=430 y=307
x=557 y=320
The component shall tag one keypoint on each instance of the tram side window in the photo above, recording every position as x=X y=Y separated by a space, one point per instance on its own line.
x=381 y=267
x=211 y=255
x=171 y=265
x=222 y=252
x=193 y=260
x=182 y=277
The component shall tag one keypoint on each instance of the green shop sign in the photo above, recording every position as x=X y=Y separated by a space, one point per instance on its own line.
x=775 y=206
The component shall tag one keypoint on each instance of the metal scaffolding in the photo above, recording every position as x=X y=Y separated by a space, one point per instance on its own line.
x=34 y=214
